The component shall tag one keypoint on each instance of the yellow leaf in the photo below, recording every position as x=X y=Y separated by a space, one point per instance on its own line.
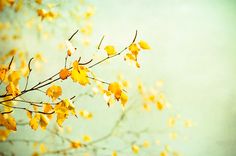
x=114 y=153
x=188 y=123
x=47 y=108
x=63 y=109
x=132 y=58
x=110 y=50
x=43 y=121
x=160 y=105
x=79 y=77
x=29 y=114
x=171 y=122
x=135 y=149
x=86 y=138
x=12 y=89
x=123 y=98
x=38 y=1
x=4 y=134
x=144 y=45
x=85 y=114
x=11 y=123
x=79 y=74
x=163 y=153
x=146 y=107
x=41 y=13
x=3 y=71
x=42 y=148
x=14 y=77
x=146 y=144
x=8 y=121
x=75 y=144
x=115 y=89
x=34 y=122
x=64 y=73
x=69 y=105
x=35 y=154
x=60 y=119
x=54 y=92
x=134 y=49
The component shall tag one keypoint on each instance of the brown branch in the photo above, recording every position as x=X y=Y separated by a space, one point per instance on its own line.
x=32 y=111
x=7 y=112
x=9 y=66
x=73 y=34
x=58 y=135
x=104 y=82
x=100 y=43
x=109 y=57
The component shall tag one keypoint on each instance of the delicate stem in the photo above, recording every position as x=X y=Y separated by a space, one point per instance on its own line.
x=100 y=43
x=109 y=57
x=30 y=69
x=73 y=34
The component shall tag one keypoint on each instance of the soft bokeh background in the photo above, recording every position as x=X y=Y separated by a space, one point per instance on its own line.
x=193 y=51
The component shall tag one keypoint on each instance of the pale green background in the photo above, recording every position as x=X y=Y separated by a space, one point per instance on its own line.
x=193 y=51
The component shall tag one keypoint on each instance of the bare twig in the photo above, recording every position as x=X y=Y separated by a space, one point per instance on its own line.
x=30 y=69
x=73 y=34
x=100 y=43
x=9 y=66
x=109 y=57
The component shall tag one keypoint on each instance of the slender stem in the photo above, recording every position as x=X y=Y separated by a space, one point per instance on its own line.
x=109 y=57
x=73 y=34
x=30 y=69
x=100 y=43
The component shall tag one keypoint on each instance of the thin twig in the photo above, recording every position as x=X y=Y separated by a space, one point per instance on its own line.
x=100 y=43
x=109 y=57
x=9 y=66
x=73 y=34
x=30 y=69
x=7 y=112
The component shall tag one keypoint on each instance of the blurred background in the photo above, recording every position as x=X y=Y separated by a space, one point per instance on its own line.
x=192 y=51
